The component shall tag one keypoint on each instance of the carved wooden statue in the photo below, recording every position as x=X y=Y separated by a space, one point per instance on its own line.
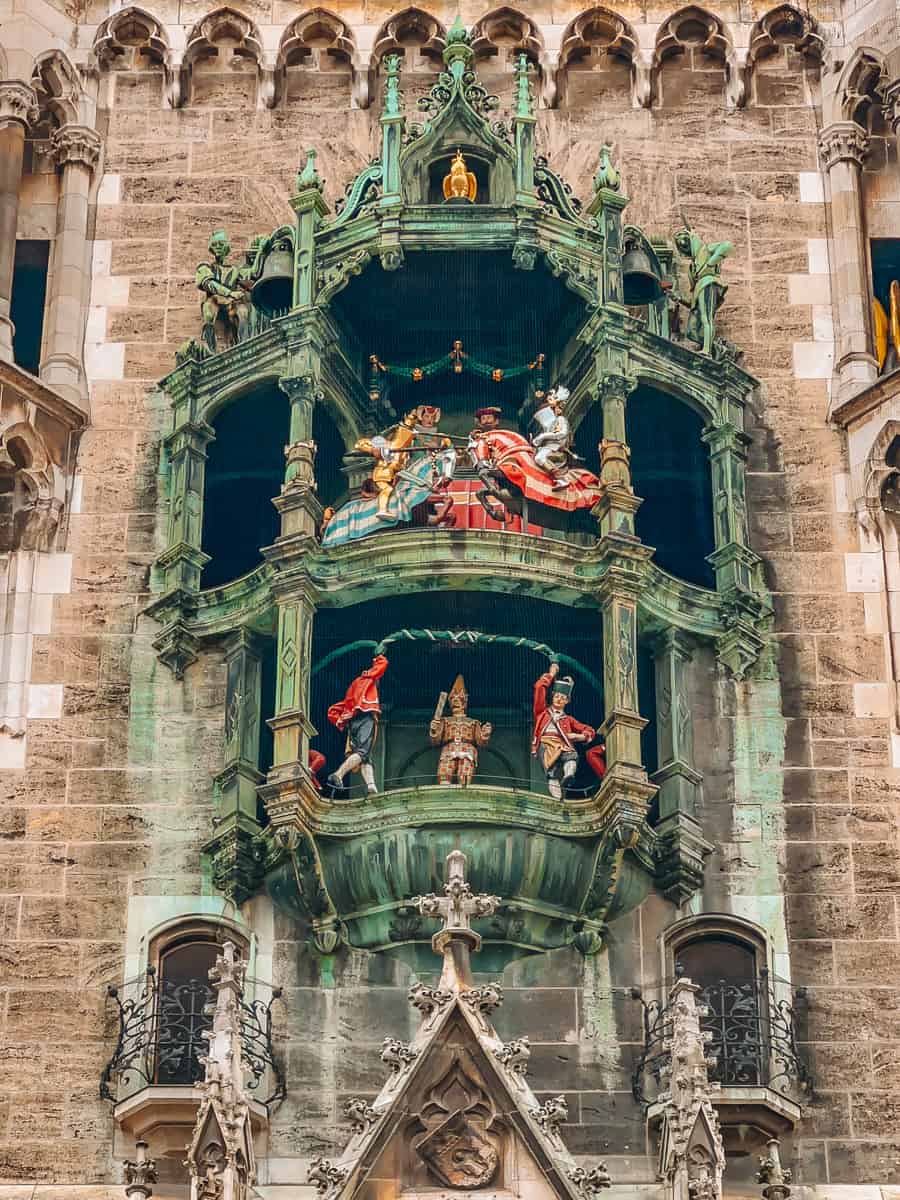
x=707 y=289
x=226 y=301
x=556 y=734
x=458 y=735
x=358 y=714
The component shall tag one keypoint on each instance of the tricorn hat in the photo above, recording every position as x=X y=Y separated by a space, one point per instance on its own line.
x=563 y=684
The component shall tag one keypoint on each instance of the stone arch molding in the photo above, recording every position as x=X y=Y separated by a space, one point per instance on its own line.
x=218 y=28
x=134 y=37
x=878 y=469
x=38 y=488
x=860 y=86
x=58 y=88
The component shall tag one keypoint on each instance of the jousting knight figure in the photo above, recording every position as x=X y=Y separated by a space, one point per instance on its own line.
x=556 y=734
x=358 y=714
x=458 y=735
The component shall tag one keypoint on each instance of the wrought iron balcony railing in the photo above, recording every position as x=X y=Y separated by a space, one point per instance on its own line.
x=161 y=1037
x=753 y=1042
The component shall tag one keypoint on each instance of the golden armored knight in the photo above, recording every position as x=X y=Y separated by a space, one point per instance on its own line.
x=458 y=735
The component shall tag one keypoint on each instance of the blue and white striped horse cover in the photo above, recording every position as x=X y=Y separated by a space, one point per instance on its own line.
x=357 y=518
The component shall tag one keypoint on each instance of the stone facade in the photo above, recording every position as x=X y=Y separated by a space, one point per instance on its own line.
x=140 y=134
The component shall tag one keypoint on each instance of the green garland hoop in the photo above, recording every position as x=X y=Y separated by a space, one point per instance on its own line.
x=462 y=637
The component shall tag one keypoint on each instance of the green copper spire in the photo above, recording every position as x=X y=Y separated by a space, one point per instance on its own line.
x=393 y=97
x=524 y=97
x=458 y=53
x=607 y=175
x=309 y=176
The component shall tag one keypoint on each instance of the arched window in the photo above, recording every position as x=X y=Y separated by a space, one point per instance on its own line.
x=183 y=961
x=726 y=960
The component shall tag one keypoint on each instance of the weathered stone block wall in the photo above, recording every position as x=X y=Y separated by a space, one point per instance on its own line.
x=801 y=788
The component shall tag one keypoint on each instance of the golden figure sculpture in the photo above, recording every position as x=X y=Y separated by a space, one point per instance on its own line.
x=391 y=455
x=458 y=735
x=460 y=184
x=887 y=330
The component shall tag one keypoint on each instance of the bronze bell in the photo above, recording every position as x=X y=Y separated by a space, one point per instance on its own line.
x=273 y=292
x=640 y=283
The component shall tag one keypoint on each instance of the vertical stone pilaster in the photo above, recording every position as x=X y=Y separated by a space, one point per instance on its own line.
x=18 y=107
x=843 y=147
x=607 y=207
x=291 y=724
x=310 y=207
x=625 y=785
x=184 y=560
x=681 y=847
x=235 y=867
x=523 y=127
x=76 y=149
x=734 y=562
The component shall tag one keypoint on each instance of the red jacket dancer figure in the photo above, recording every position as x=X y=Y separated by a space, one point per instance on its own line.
x=555 y=733
x=358 y=713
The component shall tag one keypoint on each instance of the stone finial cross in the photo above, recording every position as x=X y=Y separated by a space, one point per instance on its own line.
x=455 y=909
x=457 y=906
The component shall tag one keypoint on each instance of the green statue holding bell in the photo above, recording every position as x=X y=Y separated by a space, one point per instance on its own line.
x=707 y=289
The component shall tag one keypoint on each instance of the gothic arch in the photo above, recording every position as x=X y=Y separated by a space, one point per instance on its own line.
x=785 y=26
x=600 y=33
x=314 y=34
x=129 y=36
x=412 y=26
x=860 y=84
x=228 y=27
x=506 y=25
x=881 y=464
x=58 y=87
x=31 y=491
x=695 y=29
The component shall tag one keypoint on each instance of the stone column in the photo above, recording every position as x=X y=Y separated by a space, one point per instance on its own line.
x=18 y=107
x=843 y=147
x=681 y=848
x=619 y=504
x=76 y=150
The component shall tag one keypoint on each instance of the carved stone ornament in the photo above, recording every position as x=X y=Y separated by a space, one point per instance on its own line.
x=590 y=1182
x=457 y=1147
x=428 y=1000
x=18 y=102
x=458 y=1154
x=515 y=1055
x=76 y=144
x=772 y=1174
x=844 y=141
x=486 y=999
x=325 y=1175
x=140 y=1173
x=551 y=1114
x=360 y=1113
x=397 y=1055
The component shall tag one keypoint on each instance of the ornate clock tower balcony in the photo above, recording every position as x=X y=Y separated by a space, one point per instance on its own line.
x=453 y=388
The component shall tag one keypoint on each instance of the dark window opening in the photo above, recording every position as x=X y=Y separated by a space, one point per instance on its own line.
x=725 y=970
x=331 y=482
x=244 y=471
x=29 y=297
x=184 y=993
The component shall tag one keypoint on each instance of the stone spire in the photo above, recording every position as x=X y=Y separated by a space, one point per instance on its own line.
x=220 y=1156
x=691 y=1155
x=456 y=940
